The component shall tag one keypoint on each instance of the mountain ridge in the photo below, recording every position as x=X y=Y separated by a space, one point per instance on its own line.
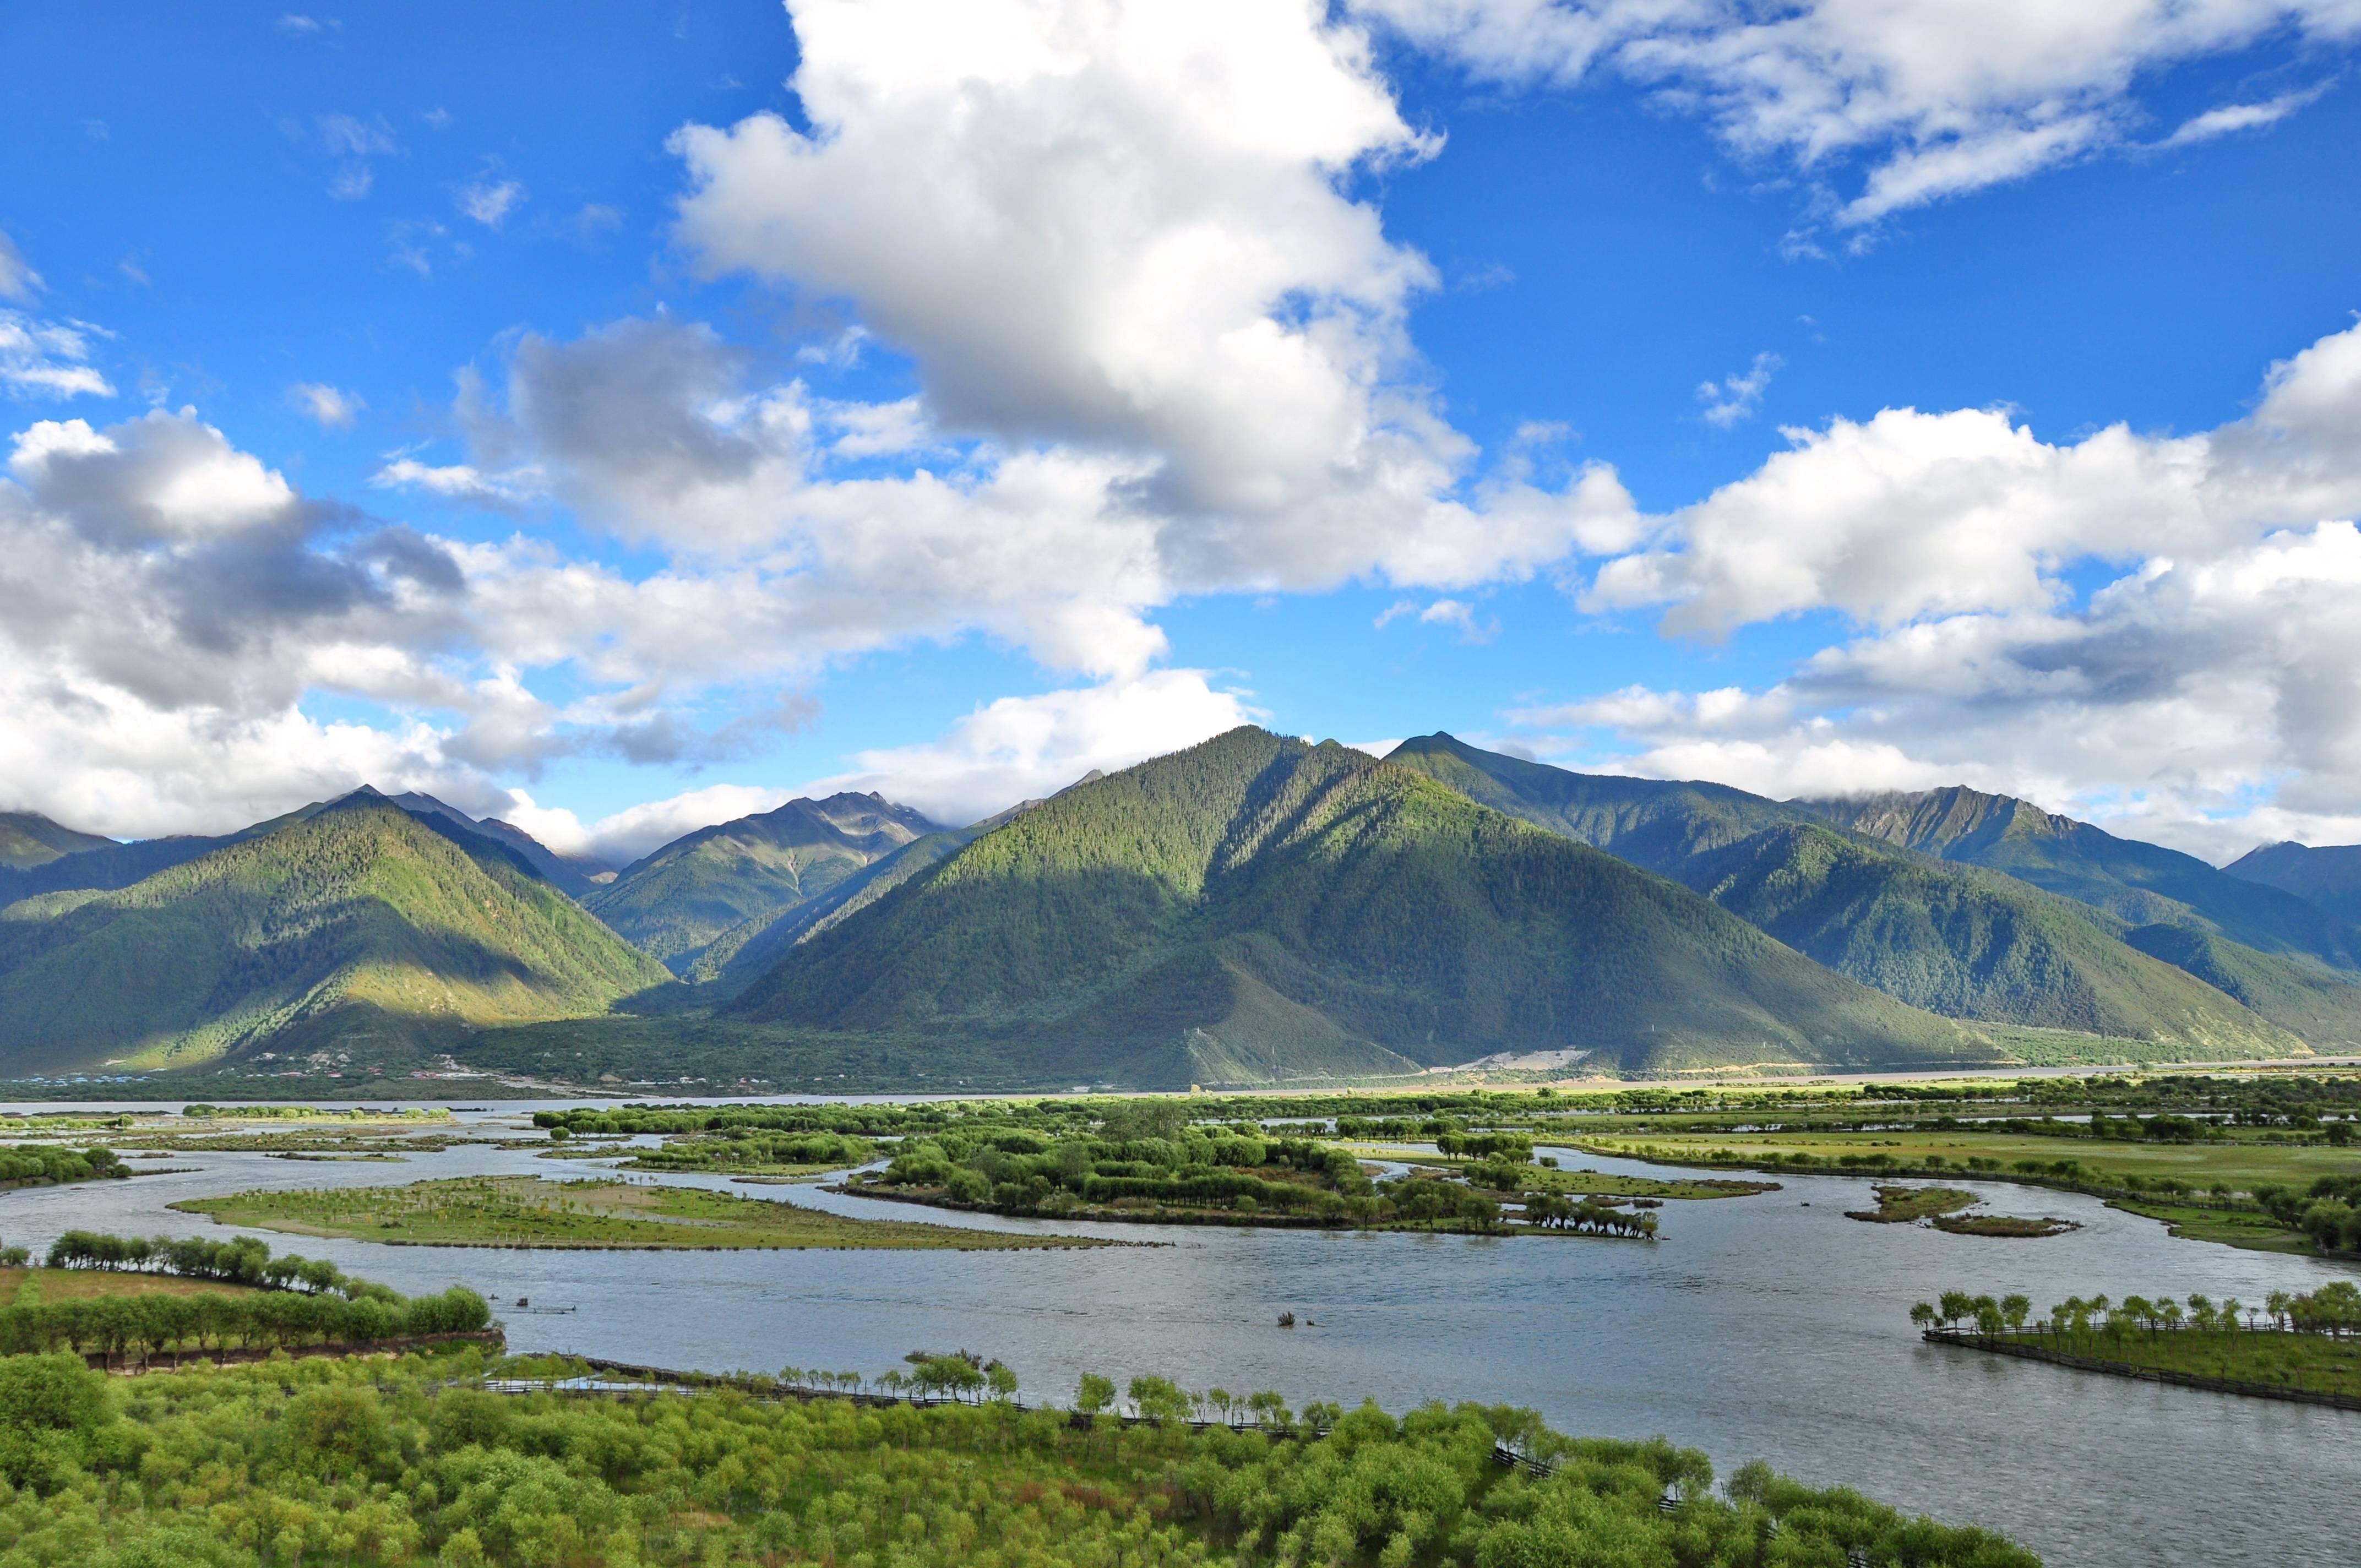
x=2328 y=875
x=1961 y=940
x=356 y=920
x=1291 y=903
x=2139 y=883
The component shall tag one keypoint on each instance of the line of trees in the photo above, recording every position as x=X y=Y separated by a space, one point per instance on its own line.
x=136 y=1327
x=243 y=1260
x=2334 y=1309
x=1551 y=1211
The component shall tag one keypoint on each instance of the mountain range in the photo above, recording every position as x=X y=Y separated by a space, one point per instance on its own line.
x=1250 y=909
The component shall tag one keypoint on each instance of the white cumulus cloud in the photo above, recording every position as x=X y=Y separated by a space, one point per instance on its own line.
x=1927 y=98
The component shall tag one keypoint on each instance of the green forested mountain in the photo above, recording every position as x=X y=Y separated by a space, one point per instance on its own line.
x=2329 y=876
x=1956 y=939
x=573 y=876
x=27 y=840
x=356 y=923
x=737 y=878
x=1255 y=907
x=745 y=952
x=2140 y=883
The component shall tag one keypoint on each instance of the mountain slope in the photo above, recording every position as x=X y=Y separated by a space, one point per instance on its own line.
x=2329 y=876
x=357 y=922
x=1257 y=907
x=745 y=952
x=27 y=840
x=573 y=876
x=2140 y=883
x=724 y=879
x=1953 y=939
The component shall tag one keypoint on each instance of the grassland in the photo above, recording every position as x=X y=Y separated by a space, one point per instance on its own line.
x=2240 y=1164
x=2230 y=1227
x=525 y=1211
x=2323 y=1365
x=34 y=1286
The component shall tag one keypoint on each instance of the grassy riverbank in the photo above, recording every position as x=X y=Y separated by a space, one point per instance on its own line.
x=2246 y=1228
x=524 y=1211
x=2320 y=1365
x=387 y=1462
x=2240 y=1165
x=37 y=1285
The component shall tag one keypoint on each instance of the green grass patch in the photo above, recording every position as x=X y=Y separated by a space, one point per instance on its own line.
x=2008 y=1225
x=2241 y=1165
x=2230 y=1227
x=526 y=1212
x=2308 y=1363
x=1907 y=1205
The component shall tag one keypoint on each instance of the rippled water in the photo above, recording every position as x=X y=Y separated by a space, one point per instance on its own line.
x=1767 y=1327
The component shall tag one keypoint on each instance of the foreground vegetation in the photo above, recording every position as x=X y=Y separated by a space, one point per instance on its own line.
x=2300 y=1344
x=318 y=1461
x=523 y=1212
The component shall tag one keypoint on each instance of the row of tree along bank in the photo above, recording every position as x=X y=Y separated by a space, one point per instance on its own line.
x=286 y=1303
x=2293 y=1346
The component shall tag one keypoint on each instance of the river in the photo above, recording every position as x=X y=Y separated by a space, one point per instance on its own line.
x=1764 y=1327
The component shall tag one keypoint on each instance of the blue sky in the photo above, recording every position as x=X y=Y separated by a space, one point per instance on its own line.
x=1012 y=405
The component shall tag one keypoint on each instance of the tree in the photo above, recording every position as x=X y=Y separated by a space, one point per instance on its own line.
x=1094 y=1394
x=1157 y=1399
x=2014 y=1310
x=1922 y=1315
x=2277 y=1304
x=1954 y=1305
x=1002 y=1379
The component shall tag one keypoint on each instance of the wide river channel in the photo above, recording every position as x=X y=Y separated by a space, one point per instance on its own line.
x=1763 y=1327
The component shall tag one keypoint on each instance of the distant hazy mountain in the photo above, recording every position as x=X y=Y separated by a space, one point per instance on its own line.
x=1255 y=907
x=108 y=865
x=573 y=875
x=1956 y=939
x=27 y=840
x=736 y=879
x=2140 y=883
x=2329 y=876
x=357 y=924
